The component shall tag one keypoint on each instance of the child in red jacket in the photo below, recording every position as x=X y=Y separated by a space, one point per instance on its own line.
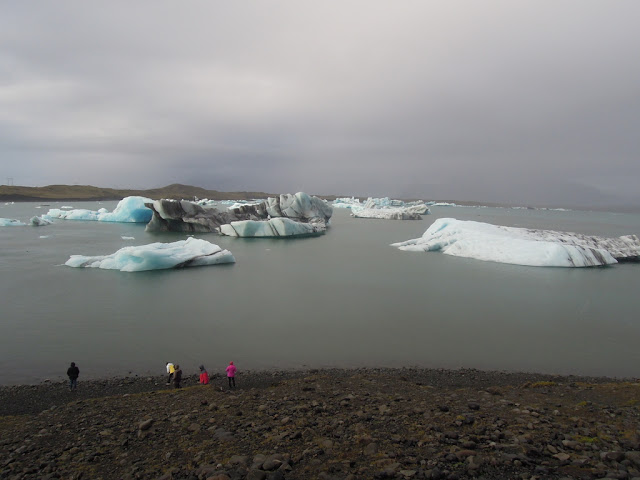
x=204 y=376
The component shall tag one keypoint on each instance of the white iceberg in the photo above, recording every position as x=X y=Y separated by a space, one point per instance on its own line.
x=521 y=246
x=10 y=222
x=373 y=208
x=192 y=252
x=128 y=210
x=404 y=213
x=384 y=202
x=373 y=202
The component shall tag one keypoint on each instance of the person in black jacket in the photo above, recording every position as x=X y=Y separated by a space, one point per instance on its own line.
x=177 y=377
x=73 y=373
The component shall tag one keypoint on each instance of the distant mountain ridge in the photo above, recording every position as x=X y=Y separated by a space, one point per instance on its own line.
x=10 y=193
x=177 y=191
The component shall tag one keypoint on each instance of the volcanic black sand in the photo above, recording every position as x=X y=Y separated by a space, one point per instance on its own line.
x=325 y=424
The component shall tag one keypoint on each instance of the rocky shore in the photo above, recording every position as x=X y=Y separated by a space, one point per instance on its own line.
x=325 y=424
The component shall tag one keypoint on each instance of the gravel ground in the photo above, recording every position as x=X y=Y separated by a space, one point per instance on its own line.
x=325 y=424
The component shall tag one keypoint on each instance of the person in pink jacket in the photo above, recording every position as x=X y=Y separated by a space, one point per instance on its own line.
x=231 y=375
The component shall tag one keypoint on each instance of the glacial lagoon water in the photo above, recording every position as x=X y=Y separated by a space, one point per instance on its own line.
x=343 y=299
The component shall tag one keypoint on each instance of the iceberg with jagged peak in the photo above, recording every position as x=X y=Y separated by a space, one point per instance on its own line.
x=192 y=252
x=11 y=222
x=522 y=246
x=129 y=210
x=283 y=216
x=40 y=221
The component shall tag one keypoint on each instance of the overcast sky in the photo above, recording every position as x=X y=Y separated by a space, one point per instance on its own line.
x=524 y=102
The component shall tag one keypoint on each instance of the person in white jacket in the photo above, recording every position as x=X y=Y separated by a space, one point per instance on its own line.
x=170 y=370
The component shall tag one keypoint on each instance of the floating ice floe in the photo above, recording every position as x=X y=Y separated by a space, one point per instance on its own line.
x=128 y=210
x=521 y=246
x=192 y=252
x=124 y=237
x=11 y=222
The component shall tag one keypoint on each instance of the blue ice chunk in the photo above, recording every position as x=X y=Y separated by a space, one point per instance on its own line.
x=10 y=222
x=128 y=210
x=192 y=252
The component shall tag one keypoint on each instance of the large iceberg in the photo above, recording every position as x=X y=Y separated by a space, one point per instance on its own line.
x=300 y=215
x=522 y=246
x=192 y=252
x=128 y=210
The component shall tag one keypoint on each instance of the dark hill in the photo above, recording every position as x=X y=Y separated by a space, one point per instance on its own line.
x=10 y=193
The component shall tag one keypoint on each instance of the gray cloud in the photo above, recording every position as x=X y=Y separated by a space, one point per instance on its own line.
x=534 y=102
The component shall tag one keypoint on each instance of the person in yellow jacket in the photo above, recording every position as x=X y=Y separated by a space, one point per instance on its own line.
x=170 y=370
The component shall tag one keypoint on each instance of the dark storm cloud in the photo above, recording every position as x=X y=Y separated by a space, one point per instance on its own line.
x=535 y=102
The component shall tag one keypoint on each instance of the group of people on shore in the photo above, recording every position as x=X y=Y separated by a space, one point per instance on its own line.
x=175 y=375
x=174 y=372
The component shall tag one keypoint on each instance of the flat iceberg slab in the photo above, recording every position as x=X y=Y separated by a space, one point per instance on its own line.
x=275 y=227
x=192 y=252
x=11 y=222
x=128 y=210
x=521 y=246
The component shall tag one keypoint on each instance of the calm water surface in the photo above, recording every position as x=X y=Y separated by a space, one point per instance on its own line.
x=343 y=299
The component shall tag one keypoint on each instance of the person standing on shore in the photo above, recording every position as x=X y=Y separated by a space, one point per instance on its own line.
x=73 y=373
x=231 y=374
x=170 y=370
x=204 y=376
x=177 y=377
